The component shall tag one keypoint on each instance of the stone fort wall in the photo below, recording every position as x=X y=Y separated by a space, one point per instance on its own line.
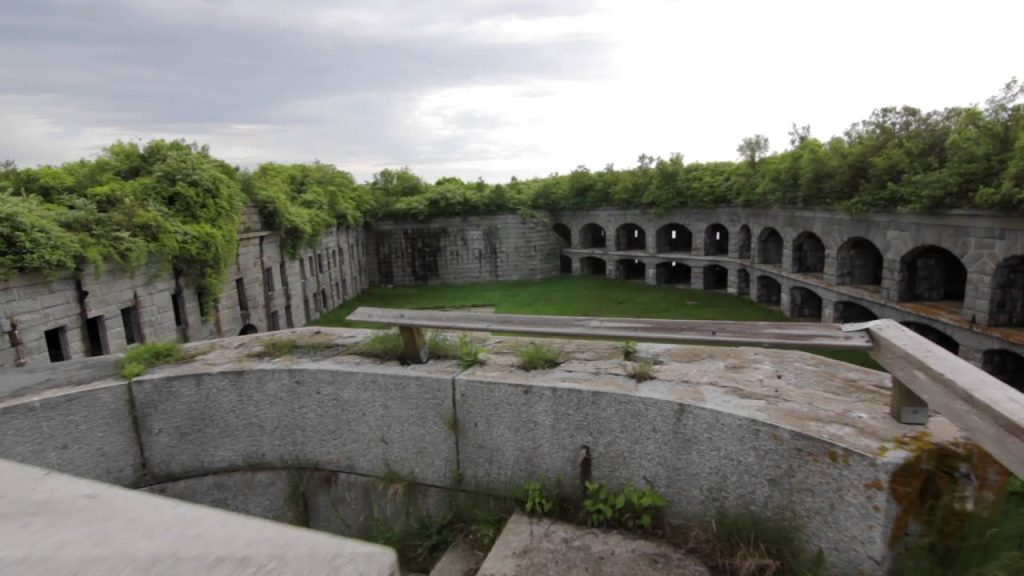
x=94 y=313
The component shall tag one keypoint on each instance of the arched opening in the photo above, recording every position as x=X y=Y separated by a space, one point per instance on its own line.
x=716 y=240
x=631 y=269
x=591 y=266
x=1006 y=365
x=715 y=277
x=935 y=335
x=1006 y=308
x=804 y=303
x=742 y=282
x=859 y=263
x=850 y=312
x=769 y=246
x=744 y=246
x=769 y=291
x=808 y=254
x=931 y=274
x=564 y=264
x=564 y=234
x=675 y=273
x=630 y=237
x=673 y=238
x=247 y=329
x=592 y=236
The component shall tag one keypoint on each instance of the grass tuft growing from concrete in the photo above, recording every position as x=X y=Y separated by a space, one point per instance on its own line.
x=640 y=371
x=280 y=347
x=384 y=345
x=142 y=357
x=538 y=357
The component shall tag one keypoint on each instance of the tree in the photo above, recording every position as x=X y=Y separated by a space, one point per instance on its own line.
x=753 y=149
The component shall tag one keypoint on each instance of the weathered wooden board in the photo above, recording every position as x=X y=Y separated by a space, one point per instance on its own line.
x=765 y=334
x=990 y=411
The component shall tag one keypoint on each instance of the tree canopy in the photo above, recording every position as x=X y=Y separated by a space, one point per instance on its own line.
x=173 y=201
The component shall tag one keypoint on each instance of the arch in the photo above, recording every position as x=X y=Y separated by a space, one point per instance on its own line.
x=804 y=303
x=630 y=236
x=563 y=233
x=675 y=273
x=847 y=312
x=931 y=273
x=673 y=238
x=744 y=245
x=1006 y=365
x=716 y=277
x=247 y=329
x=1006 y=307
x=935 y=335
x=593 y=266
x=742 y=282
x=630 y=269
x=769 y=291
x=859 y=263
x=808 y=254
x=564 y=264
x=769 y=246
x=716 y=240
x=592 y=236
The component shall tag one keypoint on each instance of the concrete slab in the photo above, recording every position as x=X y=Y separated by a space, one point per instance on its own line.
x=61 y=525
x=542 y=547
x=85 y=430
x=459 y=560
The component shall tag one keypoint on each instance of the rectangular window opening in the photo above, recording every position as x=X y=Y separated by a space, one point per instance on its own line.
x=130 y=319
x=243 y=301
x=57 y=344
x=268 y=279
x=96 y=332
x=178 y=303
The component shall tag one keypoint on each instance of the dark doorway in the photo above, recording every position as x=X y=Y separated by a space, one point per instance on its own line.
x=57 y=344
x=673 y=238
x=716 y=240
x=592 y=236
x=96 y=336
x=859 y=263
x=630 y=237
x=931 y=273
x=808 y=254
x=804 y=303
x=590 y=266
x=1006 y=365
x=935 y=335
x=769 y=246
x=769 y=291
x=675 y=273
x=631 y=269
x=1007 y=304
x=850 y=312
x=715 y=277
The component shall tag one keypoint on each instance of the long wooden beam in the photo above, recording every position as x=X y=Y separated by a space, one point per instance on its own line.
x=763 y=334
x=990 y=411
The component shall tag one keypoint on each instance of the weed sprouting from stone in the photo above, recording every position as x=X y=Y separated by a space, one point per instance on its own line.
x=384 y=345
x=469 y=353
x=538 y=357
x=640 y=371
x=629 y=349
x=280 y=347
x=140 y=358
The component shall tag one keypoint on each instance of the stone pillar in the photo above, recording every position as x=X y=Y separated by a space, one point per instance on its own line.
x=575 y=266
x=611 y=269
x=732 y=279
x=828 y=308
x=651 y=274
x=971 y=354
x=697 y=277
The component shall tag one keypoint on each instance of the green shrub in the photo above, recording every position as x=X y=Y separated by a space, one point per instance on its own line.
x=538 y=357
x=140 y=358
x=535 y=500
x=629 y=348
x=633 y=509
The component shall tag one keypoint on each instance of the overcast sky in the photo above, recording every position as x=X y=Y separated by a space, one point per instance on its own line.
x=491 y=88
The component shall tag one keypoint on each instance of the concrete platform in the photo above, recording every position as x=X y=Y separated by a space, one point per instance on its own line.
x=53 y=524
x=541 y=547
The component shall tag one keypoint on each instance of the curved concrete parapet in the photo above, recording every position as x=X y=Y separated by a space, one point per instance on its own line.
x=778 y=432
x=59 y=525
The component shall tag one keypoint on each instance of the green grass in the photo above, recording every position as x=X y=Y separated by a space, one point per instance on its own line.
x=576 y=296
x=140 y=358
x=537 y=357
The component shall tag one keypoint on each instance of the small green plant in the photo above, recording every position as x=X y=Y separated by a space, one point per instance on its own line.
x=747 y=542
x=469 y=353
x=384 y=345
x=536 y=501
x=538 y=357
x=601 y=504
x=633 y=509
x=140 y=358
x=629 y=348
x=640 y=371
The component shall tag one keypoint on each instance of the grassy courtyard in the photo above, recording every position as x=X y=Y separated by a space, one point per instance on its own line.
x=576 y=296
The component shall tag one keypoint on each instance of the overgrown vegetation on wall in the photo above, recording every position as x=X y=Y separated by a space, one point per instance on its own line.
x=173 y=201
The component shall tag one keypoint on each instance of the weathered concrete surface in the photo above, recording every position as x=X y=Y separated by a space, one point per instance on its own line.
x=85 y=430
x=61 y=525
x=262 y=493
x=543 y=547
x=459 y=560
x=776 y=431
x=229 y=411
x=21 y=381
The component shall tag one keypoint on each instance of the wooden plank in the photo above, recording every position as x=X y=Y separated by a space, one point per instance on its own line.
x=990 y=411
x=414 y=345
x=764 y=334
